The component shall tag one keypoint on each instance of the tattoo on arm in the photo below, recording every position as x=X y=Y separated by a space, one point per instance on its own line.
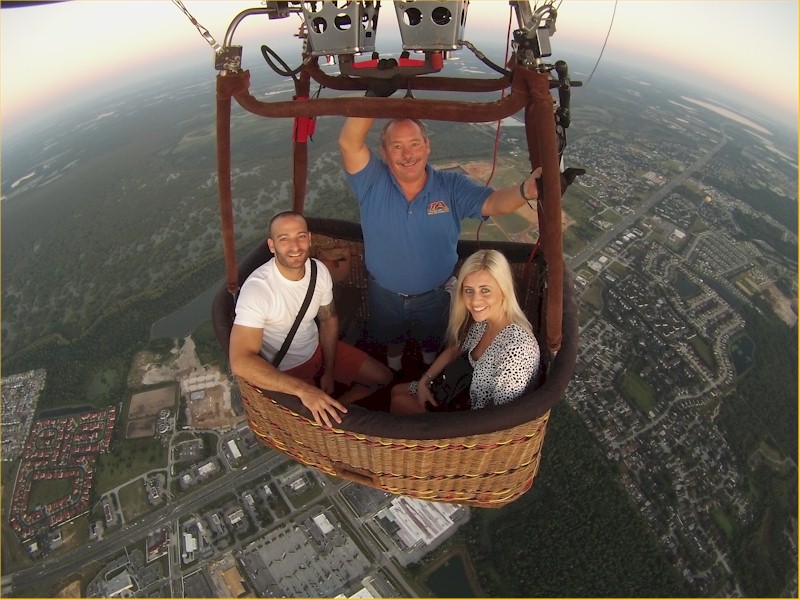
x=326 y=312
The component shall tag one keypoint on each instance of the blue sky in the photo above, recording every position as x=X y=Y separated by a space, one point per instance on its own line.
x=50 y=53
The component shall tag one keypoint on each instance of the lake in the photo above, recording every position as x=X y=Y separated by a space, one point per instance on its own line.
x=450 y=580
x=185 y=320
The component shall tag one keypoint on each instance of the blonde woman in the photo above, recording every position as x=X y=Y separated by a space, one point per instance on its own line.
x=486 y=323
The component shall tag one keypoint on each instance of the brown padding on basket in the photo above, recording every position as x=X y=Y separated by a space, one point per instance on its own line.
x=543 y=148
x=224 y=182
x=302 y=87
x=237 y=84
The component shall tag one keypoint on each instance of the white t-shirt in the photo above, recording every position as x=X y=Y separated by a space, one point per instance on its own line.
x=271 y=302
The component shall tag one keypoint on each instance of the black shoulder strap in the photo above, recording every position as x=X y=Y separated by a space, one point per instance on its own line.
x=290 y=336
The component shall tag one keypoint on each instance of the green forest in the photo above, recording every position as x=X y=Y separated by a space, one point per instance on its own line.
x=757 y=229
x=762 y=415
x=575 y=534
x=735 y=178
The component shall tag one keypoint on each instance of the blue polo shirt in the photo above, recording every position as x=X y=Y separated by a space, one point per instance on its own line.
x=410 y=247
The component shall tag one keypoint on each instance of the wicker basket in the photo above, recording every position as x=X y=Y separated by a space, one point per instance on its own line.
x=489 y=469
x=482 y=458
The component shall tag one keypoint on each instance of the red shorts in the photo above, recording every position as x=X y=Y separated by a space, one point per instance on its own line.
x=349 y=361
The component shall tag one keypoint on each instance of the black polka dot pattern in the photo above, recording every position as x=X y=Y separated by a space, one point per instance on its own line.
x=505 y=369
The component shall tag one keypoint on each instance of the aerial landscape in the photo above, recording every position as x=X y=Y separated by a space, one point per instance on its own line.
x=669 y=467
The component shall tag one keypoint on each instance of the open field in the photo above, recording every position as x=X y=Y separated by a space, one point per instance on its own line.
x=144 y=410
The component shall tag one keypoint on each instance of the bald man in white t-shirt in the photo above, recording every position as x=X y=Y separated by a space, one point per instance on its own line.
x=268 y=304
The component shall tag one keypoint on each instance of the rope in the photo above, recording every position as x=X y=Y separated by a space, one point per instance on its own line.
x=608 y=33
x=203 y=31
x=499 y=122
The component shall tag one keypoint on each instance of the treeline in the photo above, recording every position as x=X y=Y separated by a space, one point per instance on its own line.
x=763 y=559
x=754 y=228
x=769 y=387
x=782 y=209
x=575 y=534
x=761 y=198
x=762 y=415
x=690 y=193
x=207 y=347
x=110 y=344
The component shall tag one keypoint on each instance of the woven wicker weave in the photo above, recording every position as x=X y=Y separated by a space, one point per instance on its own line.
x=482 y=458
x=489 y=469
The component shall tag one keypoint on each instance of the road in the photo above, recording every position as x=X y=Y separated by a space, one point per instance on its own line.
x=65 y=565
x=601 y=242
x=606 y=237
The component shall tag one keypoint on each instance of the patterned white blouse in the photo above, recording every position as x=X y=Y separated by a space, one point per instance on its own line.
x=505 y=369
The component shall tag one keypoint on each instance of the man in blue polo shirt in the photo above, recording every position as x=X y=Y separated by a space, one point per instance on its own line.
x=411 y=219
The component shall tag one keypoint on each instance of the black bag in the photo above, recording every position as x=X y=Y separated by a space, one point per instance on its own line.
x=451 y=387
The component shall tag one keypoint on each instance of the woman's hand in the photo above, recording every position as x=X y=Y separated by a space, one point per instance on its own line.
x=425 y=397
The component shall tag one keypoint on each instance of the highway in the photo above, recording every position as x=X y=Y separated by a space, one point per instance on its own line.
x=590 y=250
x=65 y=565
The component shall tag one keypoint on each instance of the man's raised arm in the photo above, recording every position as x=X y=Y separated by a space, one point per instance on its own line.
x=353 y=143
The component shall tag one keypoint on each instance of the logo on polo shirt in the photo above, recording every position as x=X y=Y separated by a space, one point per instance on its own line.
x=438 y=207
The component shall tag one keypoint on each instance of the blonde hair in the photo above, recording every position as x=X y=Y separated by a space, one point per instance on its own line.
x=494 y=263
